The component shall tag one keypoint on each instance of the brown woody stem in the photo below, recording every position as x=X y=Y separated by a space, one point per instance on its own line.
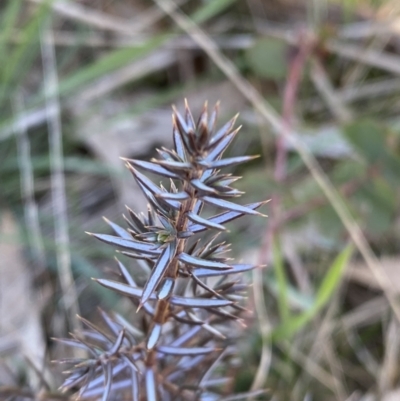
x=163 y=306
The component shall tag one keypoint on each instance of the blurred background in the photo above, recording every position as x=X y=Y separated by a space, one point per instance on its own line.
x=317 y=86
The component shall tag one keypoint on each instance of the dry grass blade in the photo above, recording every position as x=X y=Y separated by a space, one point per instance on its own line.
x=27 y=120
x=313 y=369
x=388 y=370
x=383 y=60
x=324 y=87
x=20 y=314
x=159 y=60
x=359 y=71
x=27 y=187
x=58 y=179
x=265 y=329
x=101 y=20
x=275 y=121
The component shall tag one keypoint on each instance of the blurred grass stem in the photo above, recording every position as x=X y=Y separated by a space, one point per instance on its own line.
x=31 y=213
x=101 y=20
x=324 y=86
x=59 y=200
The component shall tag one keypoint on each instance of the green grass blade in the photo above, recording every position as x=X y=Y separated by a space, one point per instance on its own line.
x=210 y=9
x=7 y=24
x=280 y=274
x=328 y=286
x=112 y=61
x=28 y=34
x=20 y=59
x=332 y=278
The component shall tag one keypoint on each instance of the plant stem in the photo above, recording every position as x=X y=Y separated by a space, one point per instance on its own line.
x=163 y=306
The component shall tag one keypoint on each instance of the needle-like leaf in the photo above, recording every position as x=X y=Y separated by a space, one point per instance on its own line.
x=152 y=167
x=154 y=335
x=135 y=389
x=77 y=344
x=206 y=223
x=166 y=288
x=199 y=262
x=179 y=167
x=241 y=268
x=142 y=180
x=225 y=217
x=158 y=272
x=199 y=302
x=178 y=144
x=218 y=150
x=151 y=390
x=107 y=380
x=125 y=273
x=128 y=244
x=118 y=343
x=124 y=289
x=118 y=230
x=229 y=162
x=178 y=196
x=180 y=351
x=200 y=186
x=230 y=206
x=222 y=132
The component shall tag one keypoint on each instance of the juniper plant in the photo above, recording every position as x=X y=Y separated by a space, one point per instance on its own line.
x=190 y=296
